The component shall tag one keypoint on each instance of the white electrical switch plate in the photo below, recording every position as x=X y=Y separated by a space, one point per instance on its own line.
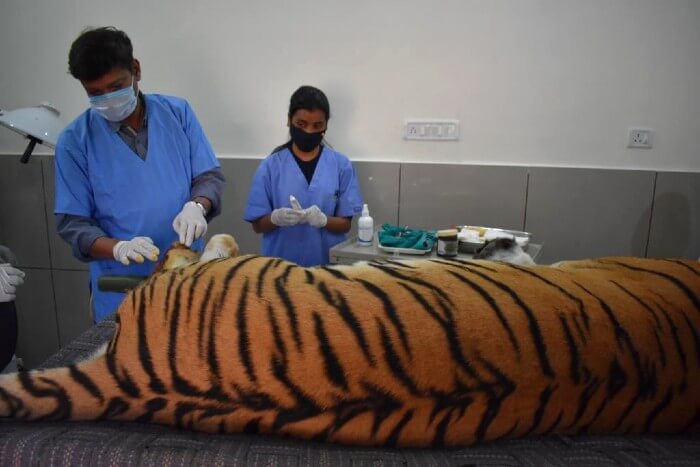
x=641 y=138
x=431 y=129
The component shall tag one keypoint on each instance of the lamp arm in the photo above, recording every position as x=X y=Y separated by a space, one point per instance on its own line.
x=30 y=148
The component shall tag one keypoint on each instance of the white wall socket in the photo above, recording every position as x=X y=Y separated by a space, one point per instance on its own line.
x=431 y=129
x=641 y=138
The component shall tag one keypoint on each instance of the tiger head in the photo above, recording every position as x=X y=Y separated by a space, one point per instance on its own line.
x=506 y=250
x=179 y=255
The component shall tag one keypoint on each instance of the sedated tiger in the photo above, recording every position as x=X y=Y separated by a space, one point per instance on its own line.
x=396 y=353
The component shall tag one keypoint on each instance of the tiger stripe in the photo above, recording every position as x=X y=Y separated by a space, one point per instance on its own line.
x=545 y=396
x=202 y=311
x=574 y=355
x=691 y=326
x=261 y=277
x=86 y=382
x=398 y=275
x=683 y=265
x=676 y=341
x=333 y=367
x=455 y=347
x=535 y=332
x=488 y=298
x=290 y=309
x=674 y=280
x=566 y=293
x=393 y=362
x=243 y=341
x=155 y=383
x=391 y=312
x=340 y=305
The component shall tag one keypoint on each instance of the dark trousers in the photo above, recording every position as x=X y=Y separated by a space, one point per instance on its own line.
x=8 y=333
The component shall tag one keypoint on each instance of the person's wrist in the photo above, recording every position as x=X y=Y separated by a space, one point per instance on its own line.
x=115 y=249
x=273 y=218
x=201 y=204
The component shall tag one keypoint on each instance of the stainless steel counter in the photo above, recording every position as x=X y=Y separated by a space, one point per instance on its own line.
x=350 y=251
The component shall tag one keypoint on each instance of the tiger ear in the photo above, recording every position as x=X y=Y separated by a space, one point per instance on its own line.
x=177 y=256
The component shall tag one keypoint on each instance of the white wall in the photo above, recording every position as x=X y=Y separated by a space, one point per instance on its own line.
x=542 y=82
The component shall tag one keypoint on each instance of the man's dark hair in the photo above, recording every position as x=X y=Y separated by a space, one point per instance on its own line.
x=97 y=51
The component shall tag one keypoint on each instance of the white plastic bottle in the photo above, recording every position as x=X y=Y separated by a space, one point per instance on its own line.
x=365 y=228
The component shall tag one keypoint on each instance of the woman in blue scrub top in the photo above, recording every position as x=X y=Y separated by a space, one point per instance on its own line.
x=304 y=194
x=134 y=172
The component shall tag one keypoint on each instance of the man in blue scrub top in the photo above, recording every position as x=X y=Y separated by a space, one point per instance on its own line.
x=321 y=181
x=134 y=173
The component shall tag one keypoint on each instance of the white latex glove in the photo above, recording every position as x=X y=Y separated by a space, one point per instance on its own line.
x=315 y=217
x=135 y=249
x=190 y=224
x=284 y=217
x=10 y=278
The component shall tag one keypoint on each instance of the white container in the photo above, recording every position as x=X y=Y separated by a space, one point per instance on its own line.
x=365 y=228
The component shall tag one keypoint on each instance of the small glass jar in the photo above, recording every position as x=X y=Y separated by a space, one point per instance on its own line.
x=447 y=243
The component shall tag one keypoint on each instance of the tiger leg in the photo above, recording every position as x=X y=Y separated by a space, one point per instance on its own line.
x=210 y=416
x=91 y=390
x=84 y=391
x=220 y=246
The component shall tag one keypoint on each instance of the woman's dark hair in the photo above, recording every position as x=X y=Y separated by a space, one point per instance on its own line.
x=97 y=51
x=307 y=98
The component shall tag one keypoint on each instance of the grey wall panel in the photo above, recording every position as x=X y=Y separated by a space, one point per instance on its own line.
x=586 y=213
x=22 y=213
x=61 y=255
x=437 y=196
x=379 y=184
x=239 y=174
x=72 y=296
x=675 y=223
x=36 y=316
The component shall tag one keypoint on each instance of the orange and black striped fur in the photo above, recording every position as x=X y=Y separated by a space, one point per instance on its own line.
x=410 y=353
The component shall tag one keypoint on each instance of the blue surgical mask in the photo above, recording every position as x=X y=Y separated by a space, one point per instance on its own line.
x=116 y=106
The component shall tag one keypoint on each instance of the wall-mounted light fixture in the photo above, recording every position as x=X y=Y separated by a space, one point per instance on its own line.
x=40 y=124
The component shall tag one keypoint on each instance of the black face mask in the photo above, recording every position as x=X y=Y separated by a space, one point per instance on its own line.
x=307 y=142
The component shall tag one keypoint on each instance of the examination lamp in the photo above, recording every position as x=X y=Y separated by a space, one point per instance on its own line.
x=40 y=124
